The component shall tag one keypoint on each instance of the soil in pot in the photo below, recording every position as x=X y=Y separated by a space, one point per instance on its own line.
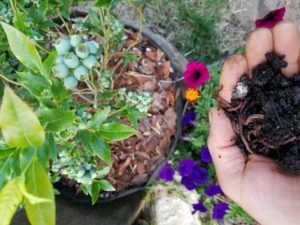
x=264 y=111
x=135 y=159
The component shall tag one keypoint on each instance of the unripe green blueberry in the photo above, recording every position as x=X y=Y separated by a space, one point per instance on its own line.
x=59 y=59
x=60 y=70
x=81 y=73
x=70 y=82
x=75 y=40
x=88 y=166
x=82 y=51
x=71 y=60
x=90 y=61
x=93 y=47
x=62 y=46
x=78 y=120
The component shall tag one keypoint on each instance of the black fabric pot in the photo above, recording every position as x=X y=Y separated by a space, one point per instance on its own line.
x=178 y=63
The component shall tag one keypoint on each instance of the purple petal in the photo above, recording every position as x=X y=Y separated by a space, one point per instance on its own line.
x=271 y=19
x=212 y=190
x=188 y=183
x=199 y=207
x=219 y=211
x=185 y=167
x=189 y=118
x=167 y=173
x=205 y=155
x=199 y=175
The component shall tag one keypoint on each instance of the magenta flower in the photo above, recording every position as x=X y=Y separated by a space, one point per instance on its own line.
x=219 y=211
x=167 y=173
x=199 y=207
x=271 y=19
x=205 y=155
x=196 y=74
x=185 y=167
x=212 y=190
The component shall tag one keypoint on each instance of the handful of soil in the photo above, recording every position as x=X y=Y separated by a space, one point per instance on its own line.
x=265 y=113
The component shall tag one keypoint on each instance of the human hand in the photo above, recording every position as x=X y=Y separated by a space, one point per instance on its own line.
x=256 y=183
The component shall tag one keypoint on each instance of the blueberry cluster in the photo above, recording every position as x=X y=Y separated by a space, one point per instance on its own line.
x=142 y=101
x=83 y=169
x=76 y=58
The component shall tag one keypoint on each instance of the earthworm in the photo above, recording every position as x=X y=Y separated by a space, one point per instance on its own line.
x=222 y=102
x=265 y=144
x=243 y=137
x=235 y=127
x=251 y=118
x=253 y=132
x=237 y=107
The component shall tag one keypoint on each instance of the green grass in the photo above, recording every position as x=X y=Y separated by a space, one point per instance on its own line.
x=189 y=24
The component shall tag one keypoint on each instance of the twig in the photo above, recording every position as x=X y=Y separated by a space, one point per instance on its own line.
x=84 y=98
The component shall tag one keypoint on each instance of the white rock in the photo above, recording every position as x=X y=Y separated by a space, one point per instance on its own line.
x=170 y=209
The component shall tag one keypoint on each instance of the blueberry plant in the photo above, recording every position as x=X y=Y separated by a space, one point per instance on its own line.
x=61 y=110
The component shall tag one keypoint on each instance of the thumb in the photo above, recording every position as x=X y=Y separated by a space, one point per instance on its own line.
x=228 y=159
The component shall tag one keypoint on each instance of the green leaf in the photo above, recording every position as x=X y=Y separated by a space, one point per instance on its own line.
x=48 y=150
x=99 y=117
x=26 y=157
x=4 y=153
x=103 y=3
x=95 y=190
x=103 y=172
x=31 y=198
x=94 y=19
x=106 y=186
x=100 y=148
x=132 y=119
x=38 y=184
x=6 y=171
x=115 y=131
x=85 y=138
x=22 y=47
x=20 y=126
x=49 y=61
x=10 y=199
x=34 y=83
x=57 y=120
x=59 y=91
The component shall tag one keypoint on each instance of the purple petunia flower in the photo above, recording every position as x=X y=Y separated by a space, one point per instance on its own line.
x=219 y=211
x=199 y=175
x=199 y=207
x=188 y=183
x=205 y=155
x=271 y=19
x=189 y=118
x=212 y=190
x=185 y=167
x=196 y=74
x=167 y=173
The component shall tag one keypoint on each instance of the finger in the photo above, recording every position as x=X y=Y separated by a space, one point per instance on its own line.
x=228 y=159
x=234 y=67
x=258 y=44
x=287 y=42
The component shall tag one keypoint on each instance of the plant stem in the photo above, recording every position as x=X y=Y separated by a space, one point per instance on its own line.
x=141 y=15
x=12 y=82
x=64 y=22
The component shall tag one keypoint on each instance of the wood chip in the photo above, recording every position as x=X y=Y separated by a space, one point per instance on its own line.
x=124 y=166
